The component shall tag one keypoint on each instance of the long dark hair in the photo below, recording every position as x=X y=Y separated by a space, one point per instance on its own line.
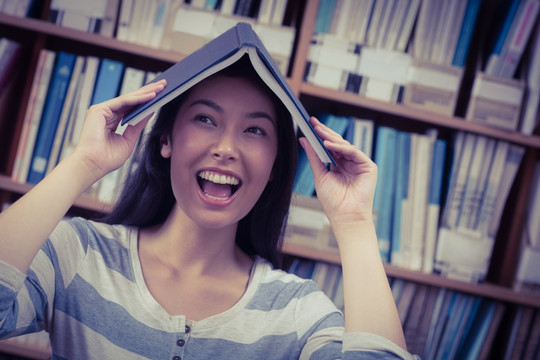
x=147 y=197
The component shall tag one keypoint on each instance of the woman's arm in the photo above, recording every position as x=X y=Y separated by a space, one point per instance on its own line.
x=26 y=224
x=346 y=194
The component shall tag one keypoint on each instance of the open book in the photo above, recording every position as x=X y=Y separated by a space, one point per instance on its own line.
x=216 y=55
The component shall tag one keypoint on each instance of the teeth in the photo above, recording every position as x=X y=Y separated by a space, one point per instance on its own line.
x=218 y=179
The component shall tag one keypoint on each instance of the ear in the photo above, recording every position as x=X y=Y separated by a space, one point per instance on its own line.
x=166 y=149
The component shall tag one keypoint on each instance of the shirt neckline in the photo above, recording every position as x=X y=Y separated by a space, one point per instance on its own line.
x=255 y=276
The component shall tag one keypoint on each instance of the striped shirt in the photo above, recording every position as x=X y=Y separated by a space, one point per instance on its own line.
x=86 y=288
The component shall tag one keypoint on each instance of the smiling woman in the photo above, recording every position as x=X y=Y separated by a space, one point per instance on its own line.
x=185 y=266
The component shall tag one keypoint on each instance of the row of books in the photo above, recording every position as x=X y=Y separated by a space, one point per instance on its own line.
x=481 y=176
x=177 y=25
x=417 y=175
x=440 y=323
x=64 y=87
x=426 y=44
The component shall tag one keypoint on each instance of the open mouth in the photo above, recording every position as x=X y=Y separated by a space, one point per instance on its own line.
x=217 y=186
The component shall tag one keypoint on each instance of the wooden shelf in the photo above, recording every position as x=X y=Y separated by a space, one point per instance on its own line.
x=46 y=28
x=487 y=290
x=84 y=201
x=419 y=115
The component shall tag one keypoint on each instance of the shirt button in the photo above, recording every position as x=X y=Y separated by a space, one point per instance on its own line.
x=188 y=329
x=176 y=358
x=180 y=342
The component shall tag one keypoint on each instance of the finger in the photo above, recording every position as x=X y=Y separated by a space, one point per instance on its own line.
x=325 y=132
x=146 y=93
x=316 y=164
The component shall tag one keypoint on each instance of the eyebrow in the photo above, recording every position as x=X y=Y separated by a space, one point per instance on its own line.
x=216 y=107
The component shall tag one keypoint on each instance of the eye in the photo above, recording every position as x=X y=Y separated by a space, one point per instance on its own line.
x=256 y=130
x=204 y=119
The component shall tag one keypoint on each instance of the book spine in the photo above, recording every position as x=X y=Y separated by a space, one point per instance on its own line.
x=51 y=116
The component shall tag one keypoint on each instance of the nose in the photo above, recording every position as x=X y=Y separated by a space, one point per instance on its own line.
x=225 y=148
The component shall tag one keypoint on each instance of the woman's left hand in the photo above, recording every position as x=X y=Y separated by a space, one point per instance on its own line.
x=346 y=192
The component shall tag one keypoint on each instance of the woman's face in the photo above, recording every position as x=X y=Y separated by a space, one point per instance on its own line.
x=222 y=148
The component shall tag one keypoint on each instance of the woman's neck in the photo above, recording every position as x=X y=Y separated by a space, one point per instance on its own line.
x=181 y=244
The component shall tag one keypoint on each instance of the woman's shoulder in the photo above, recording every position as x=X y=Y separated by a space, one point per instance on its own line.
x=276 y=283
x=90 y=231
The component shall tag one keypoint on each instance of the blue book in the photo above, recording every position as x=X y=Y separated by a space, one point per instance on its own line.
x=324 y=16
x=108 y=80
x=216 y=55
x=465 y=34
x=403 y=158
x=51 y=116
x=304 y=182
x=385 y=155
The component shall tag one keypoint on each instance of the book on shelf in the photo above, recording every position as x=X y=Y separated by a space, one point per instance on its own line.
x=32 y=117
x=513 y=37
x=98 y=17
x=51 y=116
x=384 y=157
x=304 y=181
x=218 y=54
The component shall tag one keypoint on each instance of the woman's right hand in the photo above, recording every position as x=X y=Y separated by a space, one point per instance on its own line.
x=99 y=147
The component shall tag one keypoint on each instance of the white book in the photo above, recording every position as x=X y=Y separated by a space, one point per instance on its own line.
x=377 y=16
x=406 y=29
x=457 y=190
x=278 y=12
x=124 y=20
x=472 y=183
x=419 y=195
x=35 y=116
x=265 y=11
x=342 y=19
x=362 y=21
x=472 y=222
x=363 y=135
x=511 y=166
x=227 y=7
x=395 y=25
x=90 y=73
x=492 y=189
x=384 y=25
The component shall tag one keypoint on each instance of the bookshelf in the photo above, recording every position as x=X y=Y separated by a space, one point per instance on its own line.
x=36 y=34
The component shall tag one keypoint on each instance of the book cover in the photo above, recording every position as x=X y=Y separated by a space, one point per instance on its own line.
x=51 y=116
x=218 y=54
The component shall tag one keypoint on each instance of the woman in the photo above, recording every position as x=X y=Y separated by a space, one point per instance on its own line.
x=187 y=270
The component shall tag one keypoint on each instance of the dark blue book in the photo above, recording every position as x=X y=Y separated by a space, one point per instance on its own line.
x=216 y=55
x=51 y=115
